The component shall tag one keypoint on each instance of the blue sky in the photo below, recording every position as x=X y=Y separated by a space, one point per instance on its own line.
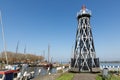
x=37 y=23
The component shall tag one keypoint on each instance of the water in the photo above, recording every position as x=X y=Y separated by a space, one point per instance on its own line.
x=43 y=72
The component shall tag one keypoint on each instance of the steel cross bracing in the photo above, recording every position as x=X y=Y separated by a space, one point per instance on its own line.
x=84 y=46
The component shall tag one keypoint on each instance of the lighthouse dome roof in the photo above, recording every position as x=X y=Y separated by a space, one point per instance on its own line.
x=84 y=11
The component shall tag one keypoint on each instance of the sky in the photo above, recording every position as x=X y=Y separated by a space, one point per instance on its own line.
x=37 y=23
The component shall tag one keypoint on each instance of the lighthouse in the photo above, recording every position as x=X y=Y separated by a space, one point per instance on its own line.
x=84 y=58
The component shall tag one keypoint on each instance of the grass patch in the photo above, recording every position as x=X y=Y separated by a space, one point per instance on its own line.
x=66 y=76
x=115 y=77
x=99 y=77
x=110 y=77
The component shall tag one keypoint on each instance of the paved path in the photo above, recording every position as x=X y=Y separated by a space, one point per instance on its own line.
x=84 y=76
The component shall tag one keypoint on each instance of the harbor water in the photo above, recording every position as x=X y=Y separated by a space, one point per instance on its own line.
x=39 y=71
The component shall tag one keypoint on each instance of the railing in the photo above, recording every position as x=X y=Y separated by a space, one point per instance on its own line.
x=110 y=67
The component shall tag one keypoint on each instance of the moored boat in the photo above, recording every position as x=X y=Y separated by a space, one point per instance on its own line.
x=8 y=74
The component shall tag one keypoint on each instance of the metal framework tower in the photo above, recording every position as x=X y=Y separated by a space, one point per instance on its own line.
x=84 y=51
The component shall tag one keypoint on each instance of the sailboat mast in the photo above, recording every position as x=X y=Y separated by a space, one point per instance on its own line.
x=25 y=49
x=17 y=47
x=4 y=43
x=48 y=52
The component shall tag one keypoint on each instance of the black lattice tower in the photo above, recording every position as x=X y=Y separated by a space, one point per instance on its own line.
x=84 y=51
